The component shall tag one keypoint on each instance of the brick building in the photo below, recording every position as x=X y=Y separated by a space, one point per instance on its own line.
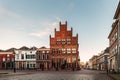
x=64 y=48
x=114 y=42
x=6 y=60
x=43 y=58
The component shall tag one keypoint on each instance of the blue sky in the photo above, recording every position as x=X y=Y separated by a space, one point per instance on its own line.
x=30 y=22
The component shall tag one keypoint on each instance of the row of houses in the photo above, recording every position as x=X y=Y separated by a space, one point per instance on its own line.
x=25 y=58
x=113 y=50
x=63 y=53
x=97 y=62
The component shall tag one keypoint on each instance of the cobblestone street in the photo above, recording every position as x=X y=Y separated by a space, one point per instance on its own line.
x=62 y=75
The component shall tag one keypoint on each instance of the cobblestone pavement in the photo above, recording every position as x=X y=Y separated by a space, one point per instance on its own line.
x=62 y=75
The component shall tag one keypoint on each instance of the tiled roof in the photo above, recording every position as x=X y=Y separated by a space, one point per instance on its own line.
x=33 y=48
x=10 y=50
x=24 y=48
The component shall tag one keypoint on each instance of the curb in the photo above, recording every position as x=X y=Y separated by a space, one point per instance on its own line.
x=3 y=73
x=112 y=77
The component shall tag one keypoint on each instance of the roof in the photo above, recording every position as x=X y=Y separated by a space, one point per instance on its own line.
x=24 y=48
x=43 y=48
x=10 y=50
x=113 y=27
x=106 y=50
x=33 y=48
x=1 y=50
x=94 y=56
x=117 y=11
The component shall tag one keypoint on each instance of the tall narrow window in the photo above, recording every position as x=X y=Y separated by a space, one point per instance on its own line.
x=68 y=50
x=63 y=51
x=22 y=56
x=73 y=50
x=63 y=41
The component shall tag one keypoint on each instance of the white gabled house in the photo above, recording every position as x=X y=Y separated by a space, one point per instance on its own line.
x=25 y=58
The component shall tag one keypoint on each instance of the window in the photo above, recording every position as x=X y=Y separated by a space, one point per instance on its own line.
x=12 y=59
x=30 y=56
x=68 y=39
x=47 y=51
x=43 y=51
x=53 y=51
x=17 y=56
x=47 y=56
x=63 y=42
x=58 y=51
x=68 y=50
x=63 y=50
x=19 y=52
x=8 y=55
x=63 y=39
x=68 y=42
x=39 y=57
x=3 y=59
x=43 y=57
x=22 y=56
x=8 y=59
x=33 y=65
x=30 y=65
x=58 y=40
x=73 y=50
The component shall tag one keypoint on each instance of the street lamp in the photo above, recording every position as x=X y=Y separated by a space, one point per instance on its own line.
x=14 y=69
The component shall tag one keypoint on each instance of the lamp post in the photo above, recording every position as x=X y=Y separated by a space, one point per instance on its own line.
x=14 y=69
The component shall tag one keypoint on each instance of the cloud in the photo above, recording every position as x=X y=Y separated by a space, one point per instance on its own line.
x=17 y=29
x=48 y=28
x=7 y=13
x=37 y=28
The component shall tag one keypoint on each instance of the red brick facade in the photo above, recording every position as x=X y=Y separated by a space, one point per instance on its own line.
x=43 y=58
x=6 y=60
x=64 y=48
